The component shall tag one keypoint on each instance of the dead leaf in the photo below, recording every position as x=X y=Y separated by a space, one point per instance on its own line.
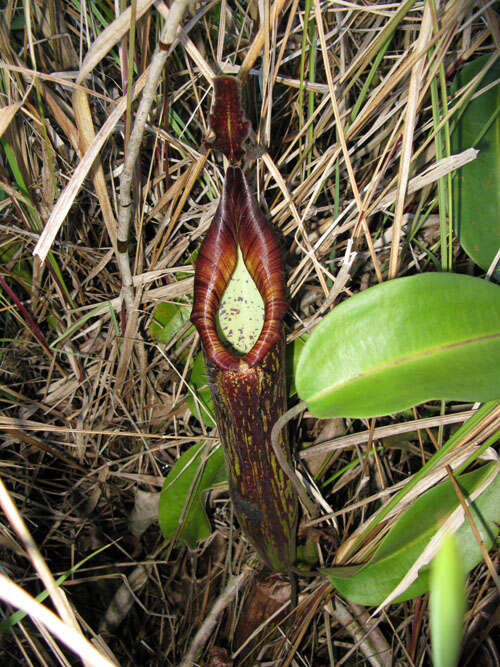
x=7 y=114
x=145 y=511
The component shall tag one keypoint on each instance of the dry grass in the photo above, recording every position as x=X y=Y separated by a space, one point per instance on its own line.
x=92 y=410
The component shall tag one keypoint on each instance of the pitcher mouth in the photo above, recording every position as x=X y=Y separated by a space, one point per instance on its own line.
x=238 y=222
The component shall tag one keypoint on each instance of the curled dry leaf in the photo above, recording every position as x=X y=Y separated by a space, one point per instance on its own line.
x=145 y=511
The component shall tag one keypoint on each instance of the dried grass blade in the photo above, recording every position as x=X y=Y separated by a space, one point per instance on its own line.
x=7 y=114
x=16 y=596
x=407 y=145
x=65 y=201
x=453 y=522
x=109 y=37
x=342 y=140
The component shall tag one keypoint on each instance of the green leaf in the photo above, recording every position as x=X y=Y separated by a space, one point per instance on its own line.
x=204 y=410
x=409 y=340
x=447 y=603
x=292 y=355
x=202 y=407
x=240 y=316
x=476 y=187
x=21 y=268
x=198 y=372
x=168 y=318
x=372 y=582
x=18 y=23
x=181 y=511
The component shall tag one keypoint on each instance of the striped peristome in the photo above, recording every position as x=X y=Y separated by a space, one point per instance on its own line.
x=239 y=222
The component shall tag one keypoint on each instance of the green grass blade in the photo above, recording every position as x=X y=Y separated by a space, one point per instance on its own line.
x=447 y=603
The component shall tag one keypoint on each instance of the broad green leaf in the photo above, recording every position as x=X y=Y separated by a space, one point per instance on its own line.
x=168 y=318
x=477 y=185
x=202 y=407
x=198 y=372
x=447 y=603
x=409 y=340
x=349 y=548
x=198 y=384
x=181 y=511
x=372 y=582
x=292 y=356
x=241 y=312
